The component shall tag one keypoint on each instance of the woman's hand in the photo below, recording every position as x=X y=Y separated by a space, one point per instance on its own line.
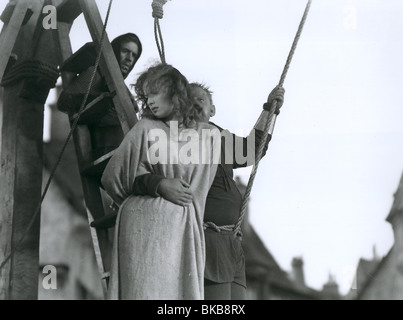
x=176 y=191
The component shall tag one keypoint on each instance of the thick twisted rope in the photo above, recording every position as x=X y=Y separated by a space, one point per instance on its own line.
x=73 y=128
x=31 y=68
x=270 y=122
x=158 y=13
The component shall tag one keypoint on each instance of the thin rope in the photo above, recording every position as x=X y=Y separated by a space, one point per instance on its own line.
x=273 y=110
x=158 y=13
x=73 y=128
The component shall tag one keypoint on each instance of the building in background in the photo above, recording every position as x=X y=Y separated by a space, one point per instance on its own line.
x=382 y=278
x=65 y=238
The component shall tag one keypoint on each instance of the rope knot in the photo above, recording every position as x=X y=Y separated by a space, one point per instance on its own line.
x=158 y=11
x=213 y=226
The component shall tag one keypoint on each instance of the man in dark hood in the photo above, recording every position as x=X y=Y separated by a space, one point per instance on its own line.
x=102 y=121
x=127 y=48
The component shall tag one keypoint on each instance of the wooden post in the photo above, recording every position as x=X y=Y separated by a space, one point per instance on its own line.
x=21 y=171
x=20 y=185
x=9 y=33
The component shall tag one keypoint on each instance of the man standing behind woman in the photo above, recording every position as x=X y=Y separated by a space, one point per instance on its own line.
x=158 y=251
x=225 y=277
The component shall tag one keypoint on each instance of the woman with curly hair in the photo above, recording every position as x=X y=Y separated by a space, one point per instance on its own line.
x=158 y=251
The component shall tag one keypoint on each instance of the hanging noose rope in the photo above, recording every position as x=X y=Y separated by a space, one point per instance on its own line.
x=73 y=128
x=270 y=122
x=158 y=13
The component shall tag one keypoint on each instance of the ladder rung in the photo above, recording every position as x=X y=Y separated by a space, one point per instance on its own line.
x=80 y=60
x=96 y=167
x=96 y=107
x=68 y=11
x=106 y=222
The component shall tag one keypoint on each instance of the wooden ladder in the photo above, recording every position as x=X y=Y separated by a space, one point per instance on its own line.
x=71 y=64
x=91 y=169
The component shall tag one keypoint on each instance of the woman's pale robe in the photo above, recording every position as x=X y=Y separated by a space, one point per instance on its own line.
x=158 y=250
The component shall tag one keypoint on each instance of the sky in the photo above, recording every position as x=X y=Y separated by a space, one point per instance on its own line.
x=326 y=184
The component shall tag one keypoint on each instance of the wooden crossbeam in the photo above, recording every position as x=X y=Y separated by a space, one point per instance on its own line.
x=68 y=11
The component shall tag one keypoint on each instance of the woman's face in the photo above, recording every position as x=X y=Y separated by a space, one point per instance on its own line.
x=160 y=105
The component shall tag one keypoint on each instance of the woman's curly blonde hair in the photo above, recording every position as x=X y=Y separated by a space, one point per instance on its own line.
x=164 y=77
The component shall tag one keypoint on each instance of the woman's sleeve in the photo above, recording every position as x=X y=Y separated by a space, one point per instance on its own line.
x=128 y=161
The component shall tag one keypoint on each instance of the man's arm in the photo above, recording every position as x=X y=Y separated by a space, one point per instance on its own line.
x=147 y=184
x=277 y=94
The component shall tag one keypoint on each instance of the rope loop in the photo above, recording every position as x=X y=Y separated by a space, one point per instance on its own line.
x=158 y=11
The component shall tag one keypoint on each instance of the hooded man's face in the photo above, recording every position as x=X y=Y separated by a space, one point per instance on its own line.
x=128 y=57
